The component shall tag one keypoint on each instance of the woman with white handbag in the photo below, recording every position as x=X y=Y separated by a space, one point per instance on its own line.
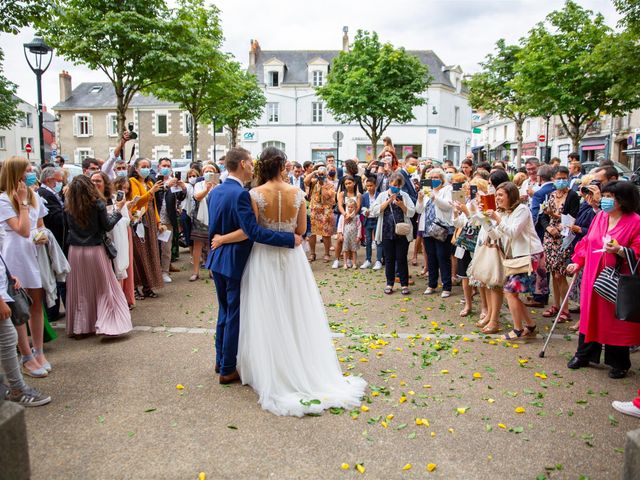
x=523 y=250
x=394 y=209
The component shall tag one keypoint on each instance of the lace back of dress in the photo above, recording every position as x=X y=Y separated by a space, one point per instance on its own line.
x=277 y=210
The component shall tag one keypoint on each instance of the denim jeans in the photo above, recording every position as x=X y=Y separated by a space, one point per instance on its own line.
x=9 y=355
x=439 y=261
x=369 y=238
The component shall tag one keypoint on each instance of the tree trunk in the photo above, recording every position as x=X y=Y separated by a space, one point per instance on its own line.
x=519 y=122
x=233 y=131
x=194 y=138
x=121 y=112
x=374 y=144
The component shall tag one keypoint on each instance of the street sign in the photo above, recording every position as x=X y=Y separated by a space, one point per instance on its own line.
x=54 y=153
x=338 y=136
x=54 y=146
x=541 y=138
x=477 y=130
x=27 y=148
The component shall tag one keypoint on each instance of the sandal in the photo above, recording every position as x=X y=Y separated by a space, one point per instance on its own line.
x=529 y=331
x=414 y=262
x=483 y=321
x=465 y=312
x=405 y=291
x=575 y=327
x=550 y=312
x=388 y=290
x=150 y=293
x=312 y=257
x=138 y=295
x=490 y=330
x=513 y=335
x=564 y=317
x=326 y=259
x=194 y=277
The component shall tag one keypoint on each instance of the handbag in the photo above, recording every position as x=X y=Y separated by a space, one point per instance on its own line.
x=627 y=300
x=468 y=238
x=434 y=229
x=21 y=300
x=112 y=252
x=486 y=265
x=606 y=284
x=517 y=265
x=402 y=228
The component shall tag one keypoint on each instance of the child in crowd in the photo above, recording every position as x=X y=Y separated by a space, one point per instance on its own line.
x=370 y=224
x=349 y=233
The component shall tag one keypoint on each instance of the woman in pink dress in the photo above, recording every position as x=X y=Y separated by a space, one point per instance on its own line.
x=615 y=227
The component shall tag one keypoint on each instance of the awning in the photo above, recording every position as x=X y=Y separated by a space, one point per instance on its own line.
x=591 y=141
x=593 y=147
x=500 y=144
x=477 y=149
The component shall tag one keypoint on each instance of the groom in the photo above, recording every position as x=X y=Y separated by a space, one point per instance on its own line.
x=229 y=210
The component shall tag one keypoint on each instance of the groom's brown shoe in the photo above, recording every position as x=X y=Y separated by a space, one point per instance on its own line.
x=232 y=377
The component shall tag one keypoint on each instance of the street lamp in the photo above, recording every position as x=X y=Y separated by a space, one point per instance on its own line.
x=215 y=159
x=40 y=50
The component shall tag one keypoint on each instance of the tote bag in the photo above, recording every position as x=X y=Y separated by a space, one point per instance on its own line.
x=627 y=298
x=486 y=265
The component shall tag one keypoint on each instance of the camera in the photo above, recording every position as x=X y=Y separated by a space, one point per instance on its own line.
x=119 y=196
x=132 y=135
x=586 y=191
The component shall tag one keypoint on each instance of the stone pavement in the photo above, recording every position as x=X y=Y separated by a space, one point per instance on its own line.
x=438 y=394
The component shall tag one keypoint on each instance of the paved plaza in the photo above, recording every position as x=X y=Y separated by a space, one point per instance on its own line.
x=149 y=406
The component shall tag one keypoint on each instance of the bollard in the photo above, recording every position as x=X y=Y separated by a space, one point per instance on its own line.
x=632 y=456
x=14 y=449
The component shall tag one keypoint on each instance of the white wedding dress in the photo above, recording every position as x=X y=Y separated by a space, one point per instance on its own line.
x=285 y=351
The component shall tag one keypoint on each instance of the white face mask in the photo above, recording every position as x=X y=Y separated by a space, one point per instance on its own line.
x=193 y=180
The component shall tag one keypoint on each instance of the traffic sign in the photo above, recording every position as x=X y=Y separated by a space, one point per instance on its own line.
x=338 y=136
x=54 y=146
x=541 y=138
x=54 y=153
x=27 y=148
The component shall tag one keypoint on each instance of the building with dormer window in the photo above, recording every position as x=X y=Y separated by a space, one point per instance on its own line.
x=297 y=120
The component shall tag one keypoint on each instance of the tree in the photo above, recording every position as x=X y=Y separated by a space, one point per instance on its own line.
x=561 y=66
x=9 y=112
x=15 y=14
x=136 y=43
x=374 y=84
x=630 y=12
x=243 y=104
x=492 y=90
x=200 y=90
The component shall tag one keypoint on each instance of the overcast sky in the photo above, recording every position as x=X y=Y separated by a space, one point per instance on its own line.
x=458 y=31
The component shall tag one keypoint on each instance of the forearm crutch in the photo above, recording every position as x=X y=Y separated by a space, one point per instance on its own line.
x=555 y=322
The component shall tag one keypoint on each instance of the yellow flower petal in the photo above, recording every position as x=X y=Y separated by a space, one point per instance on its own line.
x=384 y=424
x=402 y=383
x=451 y=430
x=375 y=394
x=477 y=375
x=502 y=425
x=403 y=310
x=180 y=386
x=202 y=476
x=455 y=351
x=344 y=466
x=393 y=375
x=543 y=376
x=418 y=421
x=490 y=400
x=364 y=408
x=402 y=399
x=390 y=416
x=433 y=434
x=444 y=372
x=426 y=386
x=523 y=361
x=411 y=392
x=431 y=467
x=407 y=467
x=466 y=339
x=360 y=468
x=364 y=360
x=461 y=410
x=425 y=422
x=520 y=410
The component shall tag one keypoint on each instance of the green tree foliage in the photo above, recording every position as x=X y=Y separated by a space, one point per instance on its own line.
x=243 y=104
x=15 y=14
x=9 y=112
x=136 y=43
x=630 y=11
x=374 y=84
x=200 y=89
x=564 y=70
x=493 y=91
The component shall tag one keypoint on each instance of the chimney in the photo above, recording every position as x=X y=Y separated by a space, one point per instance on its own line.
x=253 y=55
x=345 y=39
x=65 y=86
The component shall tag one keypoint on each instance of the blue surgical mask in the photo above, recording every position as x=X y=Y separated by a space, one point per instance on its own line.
x=222 y=167
x=394 y=190
x=436 y=183
x=58 y=187
x=165 y=171
x=30 y=179
x=144 y=172
x=121 y=173
x=607 y=204
x=561 y=184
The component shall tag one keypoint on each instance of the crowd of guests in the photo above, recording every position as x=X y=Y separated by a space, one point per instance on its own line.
x=106 y=239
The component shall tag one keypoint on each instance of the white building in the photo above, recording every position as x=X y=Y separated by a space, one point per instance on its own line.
x=296 y=121
x=25 y=131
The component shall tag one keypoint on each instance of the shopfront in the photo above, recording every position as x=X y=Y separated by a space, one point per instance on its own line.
x=594 y=149
x=529 y=149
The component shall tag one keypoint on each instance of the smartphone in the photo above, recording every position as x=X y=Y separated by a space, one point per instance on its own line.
x=160 y=178
x=178 y=175
x=458 y=196
x=426 y=183
x=209 y=176
x=473 y=191
x=135 y=200
x=119 y=196
x=380 y=164
x=457 y=186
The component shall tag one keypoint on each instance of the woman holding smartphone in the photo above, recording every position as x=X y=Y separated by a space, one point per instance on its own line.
x=200 y=216
x=146 y=253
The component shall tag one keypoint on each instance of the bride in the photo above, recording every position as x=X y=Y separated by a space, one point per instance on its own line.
x=285 y=350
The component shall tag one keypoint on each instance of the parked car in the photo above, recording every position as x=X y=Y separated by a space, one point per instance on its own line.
x=624 y=172
x=72 y=171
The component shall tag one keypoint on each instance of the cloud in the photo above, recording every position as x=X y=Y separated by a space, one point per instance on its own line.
x=458 y=31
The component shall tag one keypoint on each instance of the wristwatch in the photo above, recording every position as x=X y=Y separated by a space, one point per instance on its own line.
x=25 y=203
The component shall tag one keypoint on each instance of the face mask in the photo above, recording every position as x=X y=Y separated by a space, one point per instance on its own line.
x=607 y=204
x=121 y=173
x=436 y=183
x=411 y=169
x=321 y=178
x=58 y=187
x=448 y=177
x=332 y=174
x=561 y=184
x=394 y=190
x=222 y=167
x=193 y=180
x=30 y=179
x=144 y=172
x=165 y=171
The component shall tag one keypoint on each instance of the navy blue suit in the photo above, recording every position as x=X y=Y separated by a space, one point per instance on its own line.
x=408 y=186
x=229 y=210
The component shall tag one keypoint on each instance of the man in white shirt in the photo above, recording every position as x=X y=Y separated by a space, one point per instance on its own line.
x=530 y=185
x=296 y=176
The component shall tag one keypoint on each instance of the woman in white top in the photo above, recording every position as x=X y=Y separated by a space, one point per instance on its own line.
x=21 y=214
x=515 y=229
x=200 y=216
x=438 y=212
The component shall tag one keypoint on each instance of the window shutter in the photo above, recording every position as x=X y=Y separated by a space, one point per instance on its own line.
x=75 y=127
x=90 y=124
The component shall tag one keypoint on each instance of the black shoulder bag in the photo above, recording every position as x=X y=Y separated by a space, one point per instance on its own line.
x=627 y=298
x=21 y=300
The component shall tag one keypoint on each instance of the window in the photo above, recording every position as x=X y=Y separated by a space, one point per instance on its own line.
x=83 y=125
x=112 y=125
x=527 y=129
x=27 y=121
x=95 y=89
x=24 y=141
x=219 y=127
x=317 y=78
x=82 y=153
x=274 y=143
x=456 y=117
x=273 y=112
x=504 y=132
x=273 y=79
x=316 y=116
x=162 y=124
x=161 y=152
x=3 y=143
x=495 y=134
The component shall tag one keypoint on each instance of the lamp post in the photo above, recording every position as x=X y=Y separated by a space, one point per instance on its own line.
x=547 y=157
x=39 y=49
x=215 y=159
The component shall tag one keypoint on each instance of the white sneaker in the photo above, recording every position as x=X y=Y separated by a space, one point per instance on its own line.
x=349 y=264
x=445 y=294
x=166 y=278
x=429 y=291
x=336 y=264
x=377 y=266
x=365 y=265
x=628 y=408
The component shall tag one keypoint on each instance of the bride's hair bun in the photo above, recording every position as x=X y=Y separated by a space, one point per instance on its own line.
x=270 y=164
